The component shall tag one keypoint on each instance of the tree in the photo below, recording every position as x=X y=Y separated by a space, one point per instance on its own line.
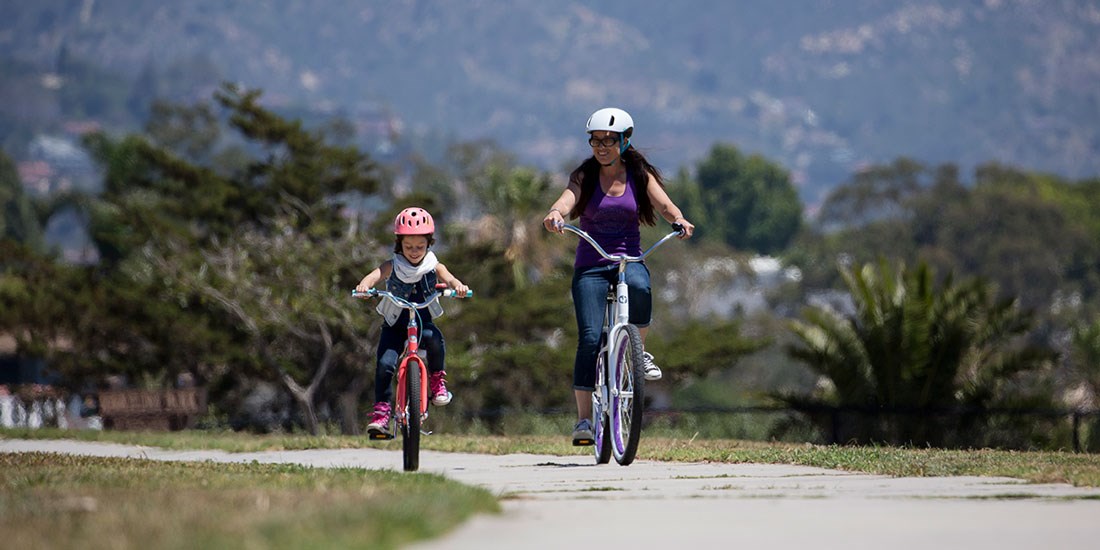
x=1034 y=236
x=513 y=199
x=288 y=292
x=877 y=193
x=36 y=296
x=18 y=219
x=870 y=216
x=504 y=201
x=168 y=205
x=912 y=351
x=749 y=203
x=1013 y=229
x=1085 y=356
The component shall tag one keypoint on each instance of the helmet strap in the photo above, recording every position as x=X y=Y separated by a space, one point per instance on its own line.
x=624 y=145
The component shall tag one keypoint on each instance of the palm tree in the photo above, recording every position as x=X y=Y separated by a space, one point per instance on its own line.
x=1086 y=359
x=911 y=352
x=513 y=200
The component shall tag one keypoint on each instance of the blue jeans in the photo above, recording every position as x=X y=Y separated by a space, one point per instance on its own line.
x=390 y=346
x=590 y=287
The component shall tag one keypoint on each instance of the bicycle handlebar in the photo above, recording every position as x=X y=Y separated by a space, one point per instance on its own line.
x=679 y=230
x=447 y=293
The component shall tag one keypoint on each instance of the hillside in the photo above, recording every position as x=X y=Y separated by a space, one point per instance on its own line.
x=822 y=87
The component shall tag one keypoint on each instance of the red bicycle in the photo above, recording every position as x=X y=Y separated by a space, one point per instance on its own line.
x=410 y=405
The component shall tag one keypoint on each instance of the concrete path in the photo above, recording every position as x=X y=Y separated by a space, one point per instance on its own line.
x=567 y=501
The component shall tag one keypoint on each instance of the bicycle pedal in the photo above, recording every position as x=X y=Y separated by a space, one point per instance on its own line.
x=583 y=442
x=379 y=436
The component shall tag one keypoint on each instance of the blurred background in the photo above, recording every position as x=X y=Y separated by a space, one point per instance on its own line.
x=898 y=207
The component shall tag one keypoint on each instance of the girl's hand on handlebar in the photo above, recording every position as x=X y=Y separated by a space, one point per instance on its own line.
x=357 y=293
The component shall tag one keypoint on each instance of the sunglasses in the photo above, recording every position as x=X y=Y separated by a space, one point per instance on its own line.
x=606 y=142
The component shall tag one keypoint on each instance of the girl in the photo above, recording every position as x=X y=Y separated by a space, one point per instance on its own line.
x=412 y=273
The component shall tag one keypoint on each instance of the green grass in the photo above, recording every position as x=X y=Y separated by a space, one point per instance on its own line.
x=61 y=501
x=1035 y=466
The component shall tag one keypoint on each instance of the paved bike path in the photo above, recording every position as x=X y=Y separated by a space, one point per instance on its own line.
x=563 y=501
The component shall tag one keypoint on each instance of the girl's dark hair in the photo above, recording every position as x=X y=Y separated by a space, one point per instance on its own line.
x=587 y=177
x=397 y=241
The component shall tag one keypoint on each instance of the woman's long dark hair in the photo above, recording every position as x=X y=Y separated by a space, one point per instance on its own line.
x=587 y=177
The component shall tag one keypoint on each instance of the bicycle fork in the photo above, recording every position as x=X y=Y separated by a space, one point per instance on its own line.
x=620 y=311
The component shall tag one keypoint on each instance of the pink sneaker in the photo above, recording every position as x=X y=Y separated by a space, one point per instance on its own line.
x=380 y=419
x=437 y=387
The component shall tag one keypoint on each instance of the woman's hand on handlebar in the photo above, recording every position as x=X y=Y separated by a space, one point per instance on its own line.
x=685 y=228
x=553 y=221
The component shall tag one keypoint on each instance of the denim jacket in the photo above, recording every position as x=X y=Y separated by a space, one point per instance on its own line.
x=391 y=311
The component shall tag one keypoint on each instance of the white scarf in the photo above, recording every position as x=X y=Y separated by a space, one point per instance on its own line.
x=409 y=273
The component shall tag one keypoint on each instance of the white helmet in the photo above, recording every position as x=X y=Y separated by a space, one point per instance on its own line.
x=611 y=119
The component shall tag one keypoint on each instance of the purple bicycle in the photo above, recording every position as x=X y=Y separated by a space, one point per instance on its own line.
x=618 y=399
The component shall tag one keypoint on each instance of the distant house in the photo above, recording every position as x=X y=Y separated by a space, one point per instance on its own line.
x=81 y=127
x=36 y=176
x=728 y=287
x=69 y=164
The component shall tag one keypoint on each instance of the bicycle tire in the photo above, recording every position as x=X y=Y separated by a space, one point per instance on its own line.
x=410 y=431
x=600 y=422
x=629 y=399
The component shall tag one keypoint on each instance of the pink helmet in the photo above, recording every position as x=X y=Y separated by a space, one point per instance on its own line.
x=414 y=221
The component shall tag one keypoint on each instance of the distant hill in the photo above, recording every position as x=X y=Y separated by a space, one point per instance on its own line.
x=823 y=87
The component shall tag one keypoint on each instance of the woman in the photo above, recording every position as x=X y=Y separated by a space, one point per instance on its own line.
x=612 y=192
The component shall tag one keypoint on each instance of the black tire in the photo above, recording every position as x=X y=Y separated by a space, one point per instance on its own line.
x=634 y=372
x=410 y=433
x=599 y=417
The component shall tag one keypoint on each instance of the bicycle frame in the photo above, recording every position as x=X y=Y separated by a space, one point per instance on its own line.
x=621 y=305
x=610 y=393
x=410 y=355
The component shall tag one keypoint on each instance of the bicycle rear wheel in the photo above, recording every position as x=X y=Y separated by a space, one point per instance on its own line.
x=627 y=388
x=410 y=429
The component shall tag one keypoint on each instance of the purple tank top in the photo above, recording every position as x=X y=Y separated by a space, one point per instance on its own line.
x=613 y=222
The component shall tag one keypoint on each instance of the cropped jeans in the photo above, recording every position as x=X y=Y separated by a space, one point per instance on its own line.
x=590 y=287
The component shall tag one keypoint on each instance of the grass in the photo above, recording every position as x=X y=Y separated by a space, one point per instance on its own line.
x=61 y=501
x=1034 y=466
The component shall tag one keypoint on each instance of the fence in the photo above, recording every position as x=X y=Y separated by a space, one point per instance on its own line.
x=130 y=409
x=38 y=406
x=158 y=410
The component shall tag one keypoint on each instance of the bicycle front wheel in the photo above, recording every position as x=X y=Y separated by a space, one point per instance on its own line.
x=600 y=424
x=627 y=389
x=410 y=429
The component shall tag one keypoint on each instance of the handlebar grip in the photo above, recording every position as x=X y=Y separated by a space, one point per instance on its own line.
x=369 y=292
x=451 y=293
